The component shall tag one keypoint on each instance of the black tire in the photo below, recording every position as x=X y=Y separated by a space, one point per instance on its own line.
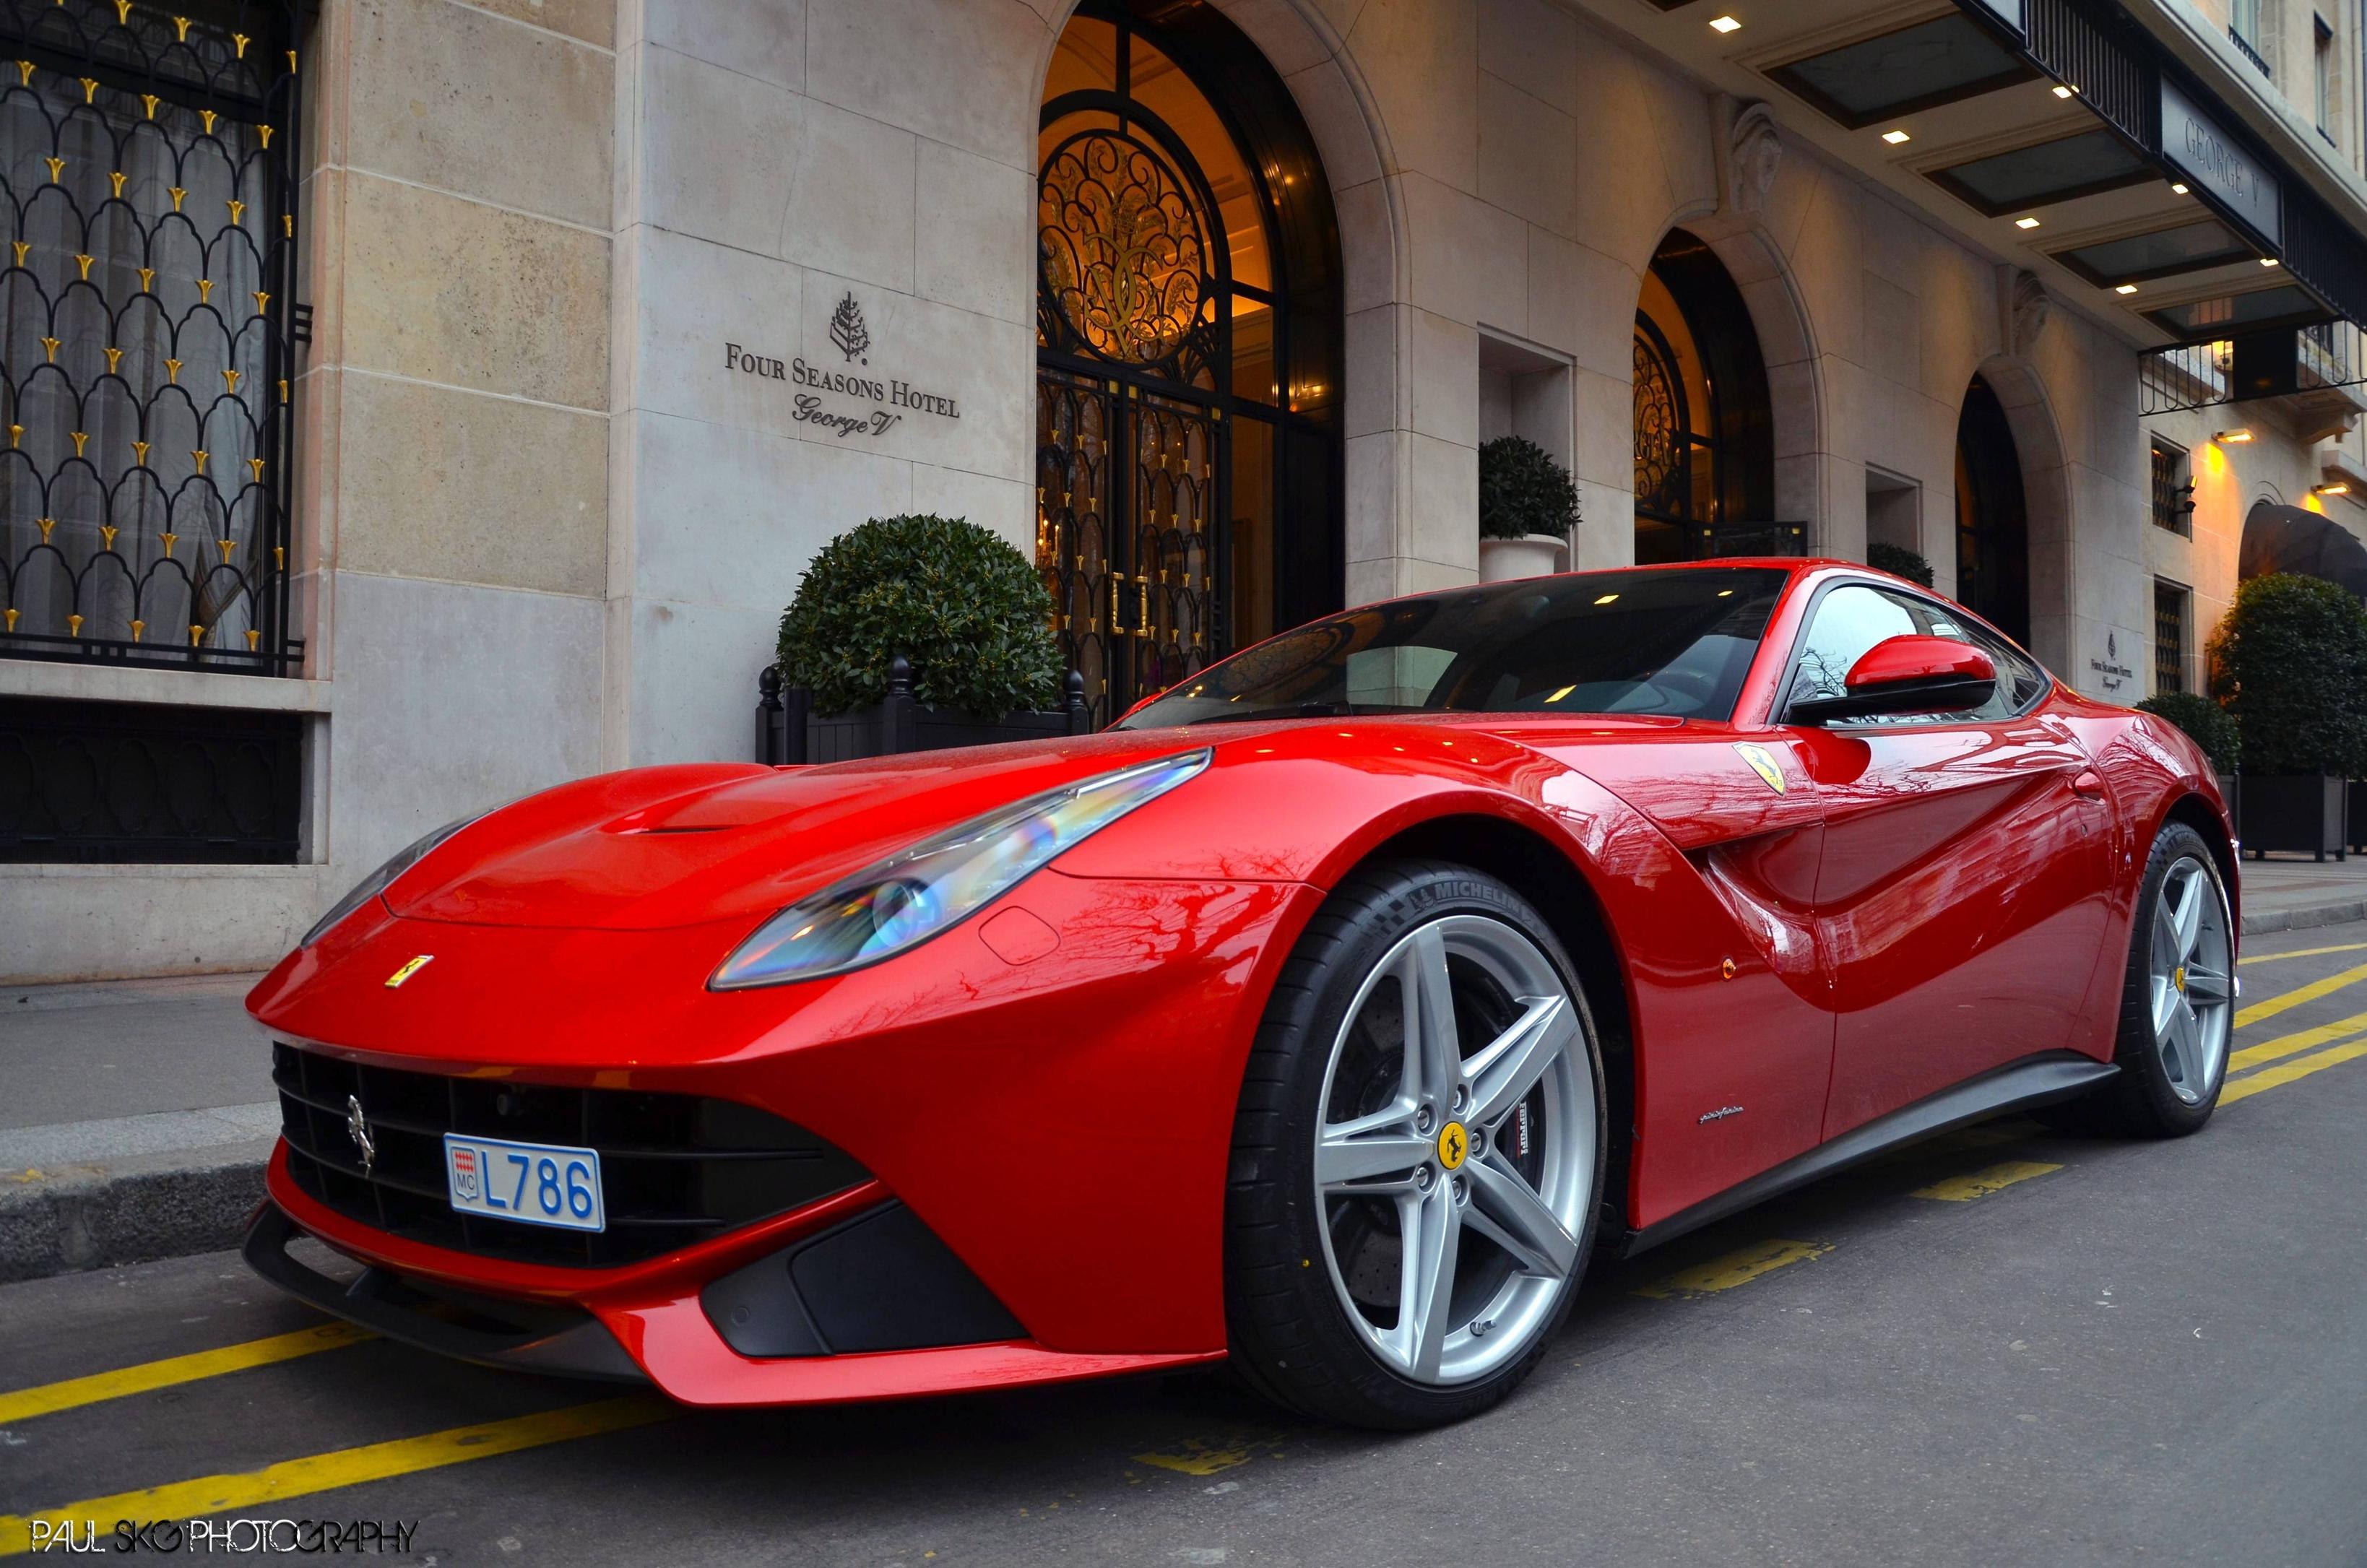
x=1289 y=1333
x=2140 y=1102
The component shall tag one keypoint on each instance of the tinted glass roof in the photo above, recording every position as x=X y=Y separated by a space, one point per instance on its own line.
x=2050 y=171
x=2187 y=248
x=1915 y=67
x=2232 y=312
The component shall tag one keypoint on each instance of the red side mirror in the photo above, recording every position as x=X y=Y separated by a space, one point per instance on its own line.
x=1906 y=675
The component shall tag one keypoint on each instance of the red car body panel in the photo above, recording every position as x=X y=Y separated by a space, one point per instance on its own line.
x=1052 y=1092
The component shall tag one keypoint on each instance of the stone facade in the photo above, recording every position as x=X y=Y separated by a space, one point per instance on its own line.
x=548 y=518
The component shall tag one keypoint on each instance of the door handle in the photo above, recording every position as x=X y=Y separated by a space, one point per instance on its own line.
x=2087 y=783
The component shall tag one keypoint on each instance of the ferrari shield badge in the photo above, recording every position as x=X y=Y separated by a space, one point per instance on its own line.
x=1763 y=763
x=421 y=962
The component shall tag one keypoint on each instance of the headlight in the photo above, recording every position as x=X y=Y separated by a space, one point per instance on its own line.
x=909 y=897
x=373 y=885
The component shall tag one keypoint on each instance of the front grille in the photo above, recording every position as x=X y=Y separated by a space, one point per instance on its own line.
x=675 y=1168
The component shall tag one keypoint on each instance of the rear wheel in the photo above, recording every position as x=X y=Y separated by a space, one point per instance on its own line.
x=1417 y=1154
x=2177 y=1002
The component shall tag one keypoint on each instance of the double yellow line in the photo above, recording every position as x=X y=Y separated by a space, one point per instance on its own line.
x=296 y=1477
x=2342 y=1039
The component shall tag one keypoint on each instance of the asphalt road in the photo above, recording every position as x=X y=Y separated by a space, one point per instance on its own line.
x=2007 y=1348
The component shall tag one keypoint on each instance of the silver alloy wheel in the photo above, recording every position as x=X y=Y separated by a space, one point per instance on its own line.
x=1426 y=1144
x=2193 y=995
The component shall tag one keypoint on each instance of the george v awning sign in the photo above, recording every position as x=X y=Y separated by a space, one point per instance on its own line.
x=2193 y=142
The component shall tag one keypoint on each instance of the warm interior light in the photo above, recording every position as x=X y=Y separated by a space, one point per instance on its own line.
x=2064 y=89
x=1894 y=137
x=2232 y=437
x=1723 y=24
x=2177 y=190
x=2125 y=288
x=2025 y=222
x=2268 y=261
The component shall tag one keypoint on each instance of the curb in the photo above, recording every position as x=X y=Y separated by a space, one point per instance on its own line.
x=2306 y=918
x=132 y=1211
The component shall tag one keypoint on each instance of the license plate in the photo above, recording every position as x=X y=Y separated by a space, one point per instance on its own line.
x=536 y=1184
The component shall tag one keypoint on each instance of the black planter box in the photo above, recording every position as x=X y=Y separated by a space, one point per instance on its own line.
x=789 y=732
x=2356 y=829
x=2294 y=811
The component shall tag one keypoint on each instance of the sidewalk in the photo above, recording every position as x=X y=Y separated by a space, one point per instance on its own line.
x=135 y=1115
x=135 y=1121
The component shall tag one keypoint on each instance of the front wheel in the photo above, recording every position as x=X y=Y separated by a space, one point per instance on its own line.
x=1417 y=1154
x=2177 y=1002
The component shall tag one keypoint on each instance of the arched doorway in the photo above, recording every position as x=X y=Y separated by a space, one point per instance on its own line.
x=1188 y=337
x=1992 y=517
x=1704 y=432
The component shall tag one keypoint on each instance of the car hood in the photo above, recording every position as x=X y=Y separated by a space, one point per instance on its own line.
x=658 y=848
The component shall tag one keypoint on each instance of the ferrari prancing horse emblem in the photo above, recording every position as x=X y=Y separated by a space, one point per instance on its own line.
x=1763 y=763
x=1452 y=1146
x=408 y=970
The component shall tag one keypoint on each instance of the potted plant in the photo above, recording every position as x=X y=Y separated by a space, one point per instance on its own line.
x=1899 y=562
x=2288 y=662
x=2212 y=727
x=1527 y=507
x=913 y=634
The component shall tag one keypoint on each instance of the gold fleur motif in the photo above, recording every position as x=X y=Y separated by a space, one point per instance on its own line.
x=152 y=101
x=50 y=347
x=279 y=556
x=238 y=44
x=265 y=131
x=12 y=619
x=283 y=389
x=207 y=117
x=173 y=371
x=196 y=634
x=20 y=247
x=79 y=437
x=200 y=454
x=254 y=639
x=24 y=72
x=262 y=300
x=16 y=434
x=136 y=627
x=229 y=381
x=147 y=280
x=83 y=261
x=257 y=465
x=177 y=193
x=122 y=13
x=114 y=358
x=237 y=210
x=89 y=88
x=205 y=290
x=57 y=167
x=74 y=625
x=140 y=454
x=45 y=525
x=227 y=545
x=106 y=532
x=117 y=177
x=181 y=29
x=170 y=540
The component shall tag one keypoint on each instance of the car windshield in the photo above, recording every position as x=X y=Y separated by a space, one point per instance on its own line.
x=1674 y=642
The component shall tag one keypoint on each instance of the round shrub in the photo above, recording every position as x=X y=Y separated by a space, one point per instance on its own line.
x=2290 y=663
x=1523 y=491
x=2205 y=722
x=964 y=607
x=1899 y=562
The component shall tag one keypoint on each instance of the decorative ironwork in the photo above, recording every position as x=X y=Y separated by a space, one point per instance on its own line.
x=148 y=332
x=1130 y=271
x=2325 y=357
x=1663 y=433
x=126 y=782
x=2173 y=490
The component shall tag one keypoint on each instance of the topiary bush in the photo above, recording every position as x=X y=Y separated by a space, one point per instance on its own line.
x=1523 y=491
x=2288 y=662
x=1899 y=562
x=964 y=607
x=2207 y=723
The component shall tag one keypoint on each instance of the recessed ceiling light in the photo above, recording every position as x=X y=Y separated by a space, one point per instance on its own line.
x=2064 y=89
x=1894 y=137
x=1606 y=599
x=2025 y=222
x=2126 y=288
x=2177 y=189
x=1723 y=24
x=2268 y=261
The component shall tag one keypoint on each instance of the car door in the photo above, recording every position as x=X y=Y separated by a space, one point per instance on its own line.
x=1964 y=885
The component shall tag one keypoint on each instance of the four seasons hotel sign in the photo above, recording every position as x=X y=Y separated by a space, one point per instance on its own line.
x=842 y=399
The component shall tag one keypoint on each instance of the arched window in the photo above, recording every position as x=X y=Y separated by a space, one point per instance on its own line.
x=1705 y=448
x=1187 y=332
x=1992 y=517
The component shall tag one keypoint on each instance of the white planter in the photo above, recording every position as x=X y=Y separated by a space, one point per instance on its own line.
x=1502 y=560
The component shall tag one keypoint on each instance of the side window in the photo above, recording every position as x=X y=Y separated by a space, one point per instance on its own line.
x=1849 y=620
x=1854 y=617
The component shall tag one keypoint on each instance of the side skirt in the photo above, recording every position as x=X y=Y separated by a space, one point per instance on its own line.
x=2042 y=1080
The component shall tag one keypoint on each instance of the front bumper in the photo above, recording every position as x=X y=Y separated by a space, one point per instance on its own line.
x=1060 y=1125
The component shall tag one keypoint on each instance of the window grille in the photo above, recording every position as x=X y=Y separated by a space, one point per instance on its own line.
x=148 y=332
x=2173 y=489
x=2169 y=637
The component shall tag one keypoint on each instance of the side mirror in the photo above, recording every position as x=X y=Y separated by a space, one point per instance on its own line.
x=1906 y=675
